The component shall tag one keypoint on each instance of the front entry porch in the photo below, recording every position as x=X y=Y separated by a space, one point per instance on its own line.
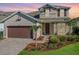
x=55 y=28
x=47 y=28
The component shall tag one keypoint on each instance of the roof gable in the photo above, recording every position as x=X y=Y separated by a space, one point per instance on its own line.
x=54 y=6
x=22 y=14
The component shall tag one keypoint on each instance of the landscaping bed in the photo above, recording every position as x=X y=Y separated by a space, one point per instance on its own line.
x=54 y=43
x=72 y=49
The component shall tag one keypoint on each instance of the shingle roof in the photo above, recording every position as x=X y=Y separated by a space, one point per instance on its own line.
x=22 y=14
x=26 y=16
x=34 y=13
x=50 y=5
x=54 y=6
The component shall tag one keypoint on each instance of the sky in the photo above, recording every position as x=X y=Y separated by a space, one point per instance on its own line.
x=29 y=7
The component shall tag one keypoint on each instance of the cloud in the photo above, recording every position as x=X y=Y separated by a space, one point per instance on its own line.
x=25 y=9
x=19 y=7
x=29 y=7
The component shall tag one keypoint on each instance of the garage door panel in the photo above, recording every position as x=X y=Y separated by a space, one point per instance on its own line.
x=19 y=31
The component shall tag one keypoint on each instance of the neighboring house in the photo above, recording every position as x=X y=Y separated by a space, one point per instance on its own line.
x=52 y=19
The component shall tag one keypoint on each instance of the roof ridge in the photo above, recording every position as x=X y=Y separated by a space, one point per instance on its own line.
x=54 y=5
x=30 y=16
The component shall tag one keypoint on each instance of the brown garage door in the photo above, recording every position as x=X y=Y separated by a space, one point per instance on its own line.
x=19 y=32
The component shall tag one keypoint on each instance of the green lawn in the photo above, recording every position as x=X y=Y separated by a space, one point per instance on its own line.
x=72 y=49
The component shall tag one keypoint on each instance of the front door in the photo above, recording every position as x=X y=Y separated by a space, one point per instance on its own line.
x=47 y=28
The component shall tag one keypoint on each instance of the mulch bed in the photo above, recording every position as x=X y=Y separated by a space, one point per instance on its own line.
x=40 y=46
x=44 y=46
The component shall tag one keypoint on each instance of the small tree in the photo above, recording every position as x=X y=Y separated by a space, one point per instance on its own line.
x=72 y=24
x=35 y=28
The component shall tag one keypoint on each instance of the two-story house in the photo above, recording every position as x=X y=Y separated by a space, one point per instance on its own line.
x=53 y=19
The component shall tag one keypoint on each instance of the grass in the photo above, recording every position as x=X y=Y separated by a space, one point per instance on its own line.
x=72 y=49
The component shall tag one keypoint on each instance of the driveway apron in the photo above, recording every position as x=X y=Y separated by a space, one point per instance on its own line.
x=12 y=46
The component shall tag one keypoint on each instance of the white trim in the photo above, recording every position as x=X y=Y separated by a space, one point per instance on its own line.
x=6 y=32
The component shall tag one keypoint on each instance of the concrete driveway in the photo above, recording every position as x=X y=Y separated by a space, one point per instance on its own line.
x=13 y=46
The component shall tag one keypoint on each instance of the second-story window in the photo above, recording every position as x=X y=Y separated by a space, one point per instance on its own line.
x=58 y=12
x=65 y=12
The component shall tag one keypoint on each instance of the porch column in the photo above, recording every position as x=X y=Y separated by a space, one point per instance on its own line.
x=55 y=28
x=65 y=28
x=5 y=32
x=43 y=28
x=51 y=28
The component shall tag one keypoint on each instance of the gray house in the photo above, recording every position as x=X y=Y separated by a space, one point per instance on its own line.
x=53 y=19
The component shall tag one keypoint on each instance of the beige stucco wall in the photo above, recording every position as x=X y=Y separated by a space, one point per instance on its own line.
x=59 y=28
x=51 y=28
x=49 y=14
x=53 y=13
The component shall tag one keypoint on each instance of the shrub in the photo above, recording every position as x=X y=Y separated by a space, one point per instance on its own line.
x=54 y=39
x=77 y=40
x=75 y=31
x=51 y=46
x=62 y=43
x=62 y=38
x=71 y=38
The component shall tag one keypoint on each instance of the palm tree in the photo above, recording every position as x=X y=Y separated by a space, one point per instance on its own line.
x=35 y=28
